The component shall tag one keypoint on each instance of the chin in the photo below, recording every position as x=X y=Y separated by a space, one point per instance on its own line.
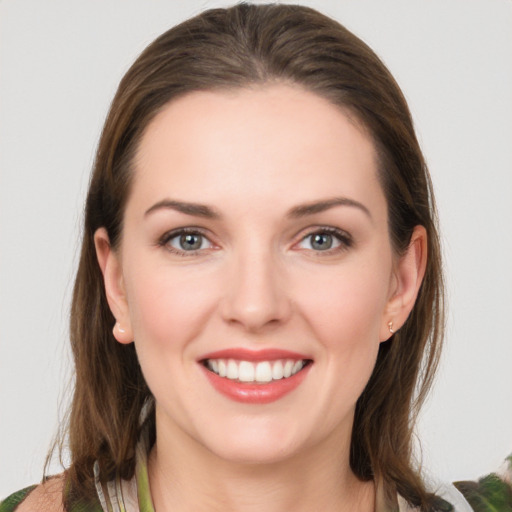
x=256 y=442
x=255 y=453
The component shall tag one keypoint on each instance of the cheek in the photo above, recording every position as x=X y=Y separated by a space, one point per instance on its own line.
x=348 y=303
x=343 y=310
x=167 y=306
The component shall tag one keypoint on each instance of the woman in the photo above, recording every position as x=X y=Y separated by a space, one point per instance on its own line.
x=257 y=314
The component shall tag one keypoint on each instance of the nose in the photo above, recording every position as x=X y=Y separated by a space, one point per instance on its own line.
x=255 y=297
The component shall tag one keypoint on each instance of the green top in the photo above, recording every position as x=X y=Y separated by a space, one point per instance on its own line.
x=11 y=502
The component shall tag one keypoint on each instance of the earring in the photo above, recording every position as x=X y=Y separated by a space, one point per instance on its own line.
x=122 y=334
x=119 y=328
x=390 y=325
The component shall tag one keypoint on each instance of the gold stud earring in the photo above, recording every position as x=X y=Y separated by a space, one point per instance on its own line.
x=390 y=325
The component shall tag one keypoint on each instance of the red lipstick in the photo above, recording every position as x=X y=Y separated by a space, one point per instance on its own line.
x=244 y=354
x=223 y=370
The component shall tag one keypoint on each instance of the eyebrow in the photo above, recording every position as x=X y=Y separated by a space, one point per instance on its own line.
x=195 y=209
x=327 y=204
x=303 y=210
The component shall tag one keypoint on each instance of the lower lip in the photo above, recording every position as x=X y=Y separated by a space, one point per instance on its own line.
x=256 y=393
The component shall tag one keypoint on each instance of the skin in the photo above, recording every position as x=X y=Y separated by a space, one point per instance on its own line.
x=252 y=156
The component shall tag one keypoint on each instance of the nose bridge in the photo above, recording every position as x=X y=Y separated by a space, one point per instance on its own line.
x=255 y=295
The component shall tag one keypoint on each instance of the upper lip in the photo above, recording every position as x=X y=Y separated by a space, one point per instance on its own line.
x=245 y=354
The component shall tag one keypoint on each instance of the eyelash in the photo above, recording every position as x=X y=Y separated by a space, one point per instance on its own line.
x=167 y=237
x=344 y=239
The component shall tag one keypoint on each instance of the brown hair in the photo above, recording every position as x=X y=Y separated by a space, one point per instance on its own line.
x=230 y=48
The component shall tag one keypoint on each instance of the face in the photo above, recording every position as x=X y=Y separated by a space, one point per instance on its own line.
x=255 y=271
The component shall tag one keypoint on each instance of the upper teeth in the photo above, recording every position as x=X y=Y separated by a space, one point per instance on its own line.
x=247 y=371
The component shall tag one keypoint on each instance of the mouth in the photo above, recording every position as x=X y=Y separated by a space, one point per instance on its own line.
x=255 y=377
x=255 y=372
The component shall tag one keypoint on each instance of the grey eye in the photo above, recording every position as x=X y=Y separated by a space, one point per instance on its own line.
x=320 y=241
x=324 y=240
x=189 y=242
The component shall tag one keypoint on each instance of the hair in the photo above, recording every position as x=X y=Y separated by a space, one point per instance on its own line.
x=240 y=47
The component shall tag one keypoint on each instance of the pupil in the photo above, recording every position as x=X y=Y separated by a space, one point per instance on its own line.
x=322 y=241
x=190 y=242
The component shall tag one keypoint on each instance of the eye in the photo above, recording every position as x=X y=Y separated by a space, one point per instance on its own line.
x=326 y=240
x=185 y=241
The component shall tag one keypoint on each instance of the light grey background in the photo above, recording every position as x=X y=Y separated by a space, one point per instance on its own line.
x=60 y=62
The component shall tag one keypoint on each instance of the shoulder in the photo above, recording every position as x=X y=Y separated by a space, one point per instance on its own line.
x=46 y=497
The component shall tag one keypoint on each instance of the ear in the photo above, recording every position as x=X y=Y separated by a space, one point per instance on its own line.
x=407 y=278
x=111 y=269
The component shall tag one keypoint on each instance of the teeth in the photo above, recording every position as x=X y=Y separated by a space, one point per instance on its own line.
x=261 y=372
x=246 y=372
x=232 y=372
x=277 y=370
x=288 y=367
x=297 y=366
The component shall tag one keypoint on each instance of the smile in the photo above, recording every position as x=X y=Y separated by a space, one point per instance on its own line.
x=255 y=377
x=260 y=372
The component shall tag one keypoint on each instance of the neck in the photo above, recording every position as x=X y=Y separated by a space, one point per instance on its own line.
x=185 y=476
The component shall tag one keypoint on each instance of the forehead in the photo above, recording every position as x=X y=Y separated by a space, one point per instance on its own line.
x=274 y=142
